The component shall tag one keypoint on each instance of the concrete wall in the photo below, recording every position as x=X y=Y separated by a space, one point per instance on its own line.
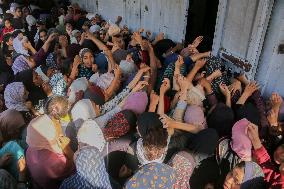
x=166 y=16
x=270 y=73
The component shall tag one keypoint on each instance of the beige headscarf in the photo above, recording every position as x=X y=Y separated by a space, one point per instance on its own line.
x=41 y=134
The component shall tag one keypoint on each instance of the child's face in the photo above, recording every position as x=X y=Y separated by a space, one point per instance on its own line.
x=7 y=24
x=10 y=41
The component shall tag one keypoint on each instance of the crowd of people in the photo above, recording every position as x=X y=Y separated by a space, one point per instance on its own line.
x=90 y=104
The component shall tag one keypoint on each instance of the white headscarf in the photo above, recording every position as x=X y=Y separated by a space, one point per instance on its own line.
x=15 y=97
x=31 y=21
x=91 y=134
x=82 y=111
x=18 y=46
x=80 y=84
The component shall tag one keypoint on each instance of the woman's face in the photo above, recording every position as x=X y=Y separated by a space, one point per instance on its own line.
x=43 y=36
x=94 y=68
x=10 y=41
x=7 y=23
x=68 y=27
x=9 y=61
x=279 y=155
x=78 y=36
x=88 y=59
x=37 y=79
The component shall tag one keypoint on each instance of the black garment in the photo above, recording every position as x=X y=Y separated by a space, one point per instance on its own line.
x=222 y=119
x=18 y=23
x=6 y=72
x=35 y=93
x=248 y=111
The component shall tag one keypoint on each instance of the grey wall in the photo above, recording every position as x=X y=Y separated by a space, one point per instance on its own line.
x=168 y=16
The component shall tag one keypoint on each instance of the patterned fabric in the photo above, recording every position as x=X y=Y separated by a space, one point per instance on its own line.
x=213 y=64
x=51 y=60
x=225 y=153
x=58 y=84
x=20 y=64
x=42 y=75
x=116 y=127
x=169 y=72
x=85 y=72
x=127 y=68
x=183 y=163
x=18 y=46
x=153 y=175
x=91 y=134
x=115 y=101
x=17 y=152
x=14 y=96
x=141 y=153
x=91 y=172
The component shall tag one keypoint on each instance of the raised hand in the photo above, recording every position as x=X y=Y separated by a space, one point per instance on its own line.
x=140 y=85
x=251 y=88
x=225 y=90
x=276 y=101
x=166 y=85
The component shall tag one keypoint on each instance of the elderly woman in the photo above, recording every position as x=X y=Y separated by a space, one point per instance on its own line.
x=49 y=156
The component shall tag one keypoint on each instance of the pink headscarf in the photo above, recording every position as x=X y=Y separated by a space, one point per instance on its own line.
x=195 y=115
x=41 y=134
x=241 y=143
x=136 y=102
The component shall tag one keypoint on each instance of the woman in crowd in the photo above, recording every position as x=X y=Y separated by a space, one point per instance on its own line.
x=109 y=108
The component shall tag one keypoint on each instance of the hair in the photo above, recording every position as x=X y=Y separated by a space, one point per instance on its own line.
x=151 y=130
x=241 y=165
x=57 y=107
x=42 y=30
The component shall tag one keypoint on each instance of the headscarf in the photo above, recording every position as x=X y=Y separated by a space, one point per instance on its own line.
x=51 y=60
x=119 y=55
x=80 y=84
x=102 y=62
x=253 y=175
x=248 y=111
x=31 y=21
x=195 y=115
x=95 y=94
x=153 y=175
x=14 y=96
x=91 y=134
x=241 y=143
x=42 y=75
x=117 y=126
x=91 y=171
x=10 y=120
x=58 y=84
x=41 y=134
x=113 y=30
x=183 y=163
x=20 y=64
x=195 y=96
x=82 y=111
x=103 y=81
x=73 y=39
x=95 y=28
x=18 y=46
x=137 y=106
x=127 y=68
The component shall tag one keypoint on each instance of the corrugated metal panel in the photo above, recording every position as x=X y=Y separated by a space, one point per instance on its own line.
x=166 y=16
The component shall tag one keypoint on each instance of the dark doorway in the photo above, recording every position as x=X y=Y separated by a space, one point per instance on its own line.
x=201 y=20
